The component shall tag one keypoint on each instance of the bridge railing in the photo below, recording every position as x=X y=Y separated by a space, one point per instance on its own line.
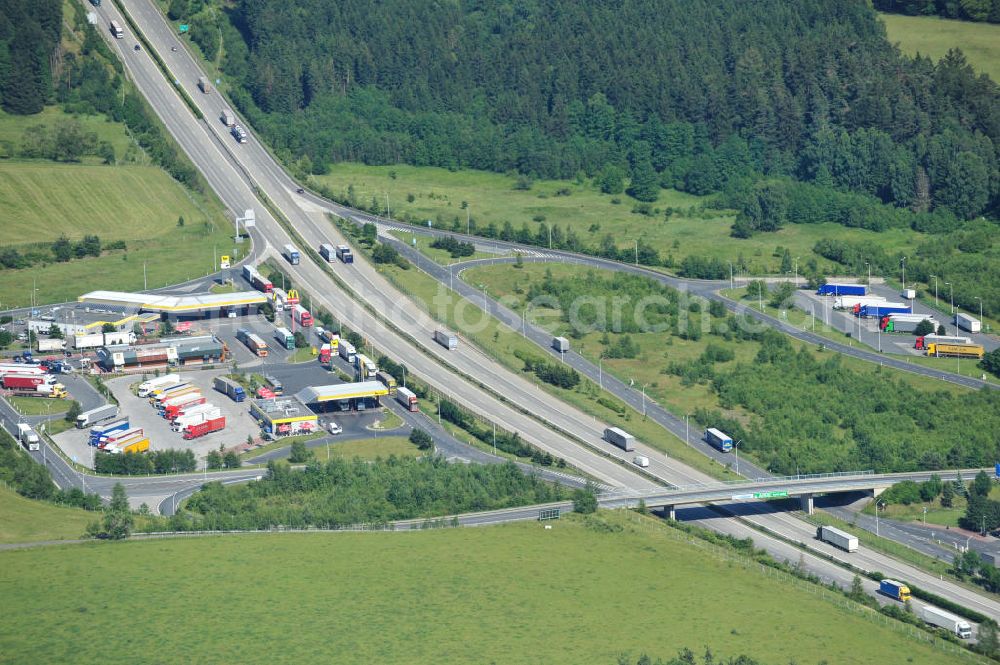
x=743 y=482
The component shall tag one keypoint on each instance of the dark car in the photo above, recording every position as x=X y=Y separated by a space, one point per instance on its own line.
x=136 y=47
x=300 y=191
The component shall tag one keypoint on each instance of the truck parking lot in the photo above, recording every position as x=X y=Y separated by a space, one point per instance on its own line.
x=239 y=424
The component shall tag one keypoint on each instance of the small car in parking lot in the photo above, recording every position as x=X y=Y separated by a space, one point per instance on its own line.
x=334 y=428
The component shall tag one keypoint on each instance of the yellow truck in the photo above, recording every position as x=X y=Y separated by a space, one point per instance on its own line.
x=955 y=350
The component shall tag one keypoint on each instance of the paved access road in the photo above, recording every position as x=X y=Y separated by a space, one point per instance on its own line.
x=231 y=169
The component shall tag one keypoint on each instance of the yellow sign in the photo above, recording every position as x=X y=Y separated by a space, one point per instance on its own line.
x=293 y=297
x=223 y=262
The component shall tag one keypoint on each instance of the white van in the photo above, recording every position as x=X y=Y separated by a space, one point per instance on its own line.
x=641 y=460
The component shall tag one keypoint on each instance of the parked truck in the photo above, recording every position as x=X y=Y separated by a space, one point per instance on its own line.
x=134 y=446
x=28 y=438
x=560 y=344
x=172 y=411
x=895 y=590
x=837 y=538
x=204 y=85
x=109 y=440
x=968 y=323
x=719 y=440
x=228 y=118
x=252 y=342
x=905 y=323
x=924 y=341
x=364 y=368
x=195 y=430
x=841 y=290
x=620 y=438
x=158 y=398
x=165 y=381
x=257 y=280
x=406 y=397
x=195 y=417
x=101 y=431
x=850 y=302
x=34 y=385
x=115 y=338
x=344 y=254
x=883 y=309
x=938 y=350
x=387 y=380
x=347 y=351
x=446 y=339
x=953 y=624
x=908 y=294
x=326 y=354
x=328 y=252
x=302 y=316
x=285 y=338
x=88 y=418
x=229 y=387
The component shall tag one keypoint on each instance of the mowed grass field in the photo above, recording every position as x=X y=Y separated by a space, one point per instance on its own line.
x=932 y=36
x=509 y=594
x=12 y=128
x=24 y=520
x=138 y=204
x=438 y=195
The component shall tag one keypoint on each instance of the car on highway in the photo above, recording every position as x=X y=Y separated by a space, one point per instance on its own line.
x=300 y=191
x=334 y=428
x=136 y=47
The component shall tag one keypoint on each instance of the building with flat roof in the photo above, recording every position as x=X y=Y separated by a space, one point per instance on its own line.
x=177 y=351
x=284 y=416
x=177 y=306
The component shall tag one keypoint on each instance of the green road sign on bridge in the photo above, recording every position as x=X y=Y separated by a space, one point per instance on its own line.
x=777 y=494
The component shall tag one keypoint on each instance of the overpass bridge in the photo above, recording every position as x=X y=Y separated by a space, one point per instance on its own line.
x=805 y=487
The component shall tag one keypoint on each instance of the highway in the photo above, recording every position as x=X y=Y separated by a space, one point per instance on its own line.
x=409 y=340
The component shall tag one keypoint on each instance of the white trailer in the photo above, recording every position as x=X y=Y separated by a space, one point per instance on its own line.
x=620 y=438
x=114 y=338
x=446 y=339
x=91 y=341
x=88 y=418
x=51 y=345
x=848 y=302
x=228 y=118
x=968 y=323
x=347 y=351
x=949 y=622
x=838 y=538
x=165 y=381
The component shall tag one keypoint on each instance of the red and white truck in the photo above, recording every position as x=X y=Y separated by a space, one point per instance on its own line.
x=205 y=427
x=173 y=410
x=33 y=385
x=302 y=316
x=195 y=415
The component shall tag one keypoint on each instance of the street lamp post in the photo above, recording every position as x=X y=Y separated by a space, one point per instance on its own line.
x=878 y=504
x=644 y=399
x=980 y=308
x=687 y=429
x=903 y=263
x=951 y=295
x=736 y=447
x=869 y=273
x=797 y=271
x=935 y=290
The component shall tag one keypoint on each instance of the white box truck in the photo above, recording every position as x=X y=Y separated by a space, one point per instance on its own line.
x=27 y=437
x=347 y=351
x=228 y=118
x=949 y=622
x=88 y=418
x=165 y=381
x=837 y=538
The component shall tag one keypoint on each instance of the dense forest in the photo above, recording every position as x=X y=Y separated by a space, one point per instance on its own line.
x=29 y=34
x=699 y=95
x=966 y=10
